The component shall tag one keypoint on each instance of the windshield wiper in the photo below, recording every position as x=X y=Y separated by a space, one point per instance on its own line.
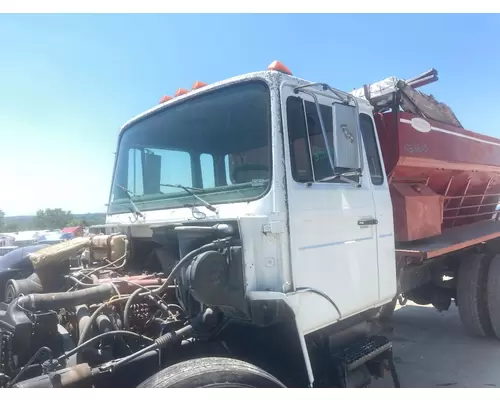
x=134 y=209
x=191 y=190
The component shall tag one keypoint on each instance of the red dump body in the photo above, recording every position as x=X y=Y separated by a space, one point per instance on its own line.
x=441 y=176
x=444 y=180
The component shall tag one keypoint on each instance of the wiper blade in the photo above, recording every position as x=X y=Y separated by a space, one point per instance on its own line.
x=135 y=209
x=191 y=190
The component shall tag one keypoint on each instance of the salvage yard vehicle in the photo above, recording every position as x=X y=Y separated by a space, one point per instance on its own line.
x=6 y=249
x=259 y=231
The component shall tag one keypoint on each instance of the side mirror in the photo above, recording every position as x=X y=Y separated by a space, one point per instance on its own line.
x=345 y=137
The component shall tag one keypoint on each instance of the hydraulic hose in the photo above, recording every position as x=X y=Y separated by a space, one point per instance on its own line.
x=57 y=301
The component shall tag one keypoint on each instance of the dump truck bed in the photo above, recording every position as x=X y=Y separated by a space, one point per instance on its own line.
x=444 y=179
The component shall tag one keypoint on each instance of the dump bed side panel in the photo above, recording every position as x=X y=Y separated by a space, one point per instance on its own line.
x=441 y=176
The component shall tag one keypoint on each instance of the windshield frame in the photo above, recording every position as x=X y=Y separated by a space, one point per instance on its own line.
x=185 y=198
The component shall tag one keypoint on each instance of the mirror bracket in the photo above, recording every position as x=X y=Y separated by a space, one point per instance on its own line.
x=345 y=99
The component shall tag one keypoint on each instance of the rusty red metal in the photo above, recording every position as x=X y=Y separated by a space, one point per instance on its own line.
x=450 y=240
x=441 y=176
x=420 y=211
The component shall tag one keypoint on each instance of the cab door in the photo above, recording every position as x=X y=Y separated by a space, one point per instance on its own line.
x=332 y=224
x=383 y=208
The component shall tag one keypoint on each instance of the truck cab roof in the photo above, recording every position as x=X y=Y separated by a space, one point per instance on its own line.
x=275 y=76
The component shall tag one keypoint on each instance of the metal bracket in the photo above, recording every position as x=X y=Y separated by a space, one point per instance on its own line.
x=345 y=98
x=273 y=227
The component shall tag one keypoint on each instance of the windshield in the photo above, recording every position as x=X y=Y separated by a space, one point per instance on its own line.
x=218 y=144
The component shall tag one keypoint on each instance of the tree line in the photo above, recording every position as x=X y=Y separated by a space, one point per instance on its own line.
x=50 y=218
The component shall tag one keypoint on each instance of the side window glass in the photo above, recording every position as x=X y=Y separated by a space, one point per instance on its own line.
x=298 y=139
x=320 y=160
x=308 y=151
x=371 y=149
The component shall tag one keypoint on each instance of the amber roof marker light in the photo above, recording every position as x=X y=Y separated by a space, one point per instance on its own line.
x=180 y=92
x=164 y=99
x=277 y=66
x=198 y=85
x=274 y=66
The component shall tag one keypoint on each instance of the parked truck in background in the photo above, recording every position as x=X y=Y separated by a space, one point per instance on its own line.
x=258 y=231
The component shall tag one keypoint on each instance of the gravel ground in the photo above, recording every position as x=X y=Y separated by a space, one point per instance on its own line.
x=432 y=350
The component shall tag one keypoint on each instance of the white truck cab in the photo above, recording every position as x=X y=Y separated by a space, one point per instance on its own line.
x=250 y=241
x=297 y=167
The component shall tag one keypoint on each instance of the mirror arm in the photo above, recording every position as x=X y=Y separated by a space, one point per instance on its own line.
x=352 y=182
x=338 y=94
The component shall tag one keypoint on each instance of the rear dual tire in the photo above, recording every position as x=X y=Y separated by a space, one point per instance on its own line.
x=472 y=296
x=478 y=295
x=493 y=295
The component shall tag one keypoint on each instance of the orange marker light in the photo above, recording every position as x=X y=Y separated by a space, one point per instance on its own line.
x=180 y=92
x=198 y=85
x=165 y=99
x=277 y=66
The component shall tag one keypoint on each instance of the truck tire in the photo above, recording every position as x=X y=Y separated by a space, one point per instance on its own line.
x=471 y=296
x=493 y=295
x=212 y=372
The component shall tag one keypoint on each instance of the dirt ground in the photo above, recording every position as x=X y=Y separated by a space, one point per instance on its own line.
x=431 y=349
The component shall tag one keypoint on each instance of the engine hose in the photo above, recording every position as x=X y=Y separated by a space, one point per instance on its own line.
x=102 y=336
x=80 y=283
x=56 y=301
x=188 y=257
x=169 y=337
x=159 y=343
x=132 y=297
x=83 y=318
x=94 y=316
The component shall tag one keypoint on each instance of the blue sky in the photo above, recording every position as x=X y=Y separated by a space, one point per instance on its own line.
x=69 y=82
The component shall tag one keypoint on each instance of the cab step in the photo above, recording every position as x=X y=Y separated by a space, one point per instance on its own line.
x=375 y=353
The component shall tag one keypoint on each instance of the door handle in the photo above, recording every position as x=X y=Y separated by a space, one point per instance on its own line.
x=368 y=221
